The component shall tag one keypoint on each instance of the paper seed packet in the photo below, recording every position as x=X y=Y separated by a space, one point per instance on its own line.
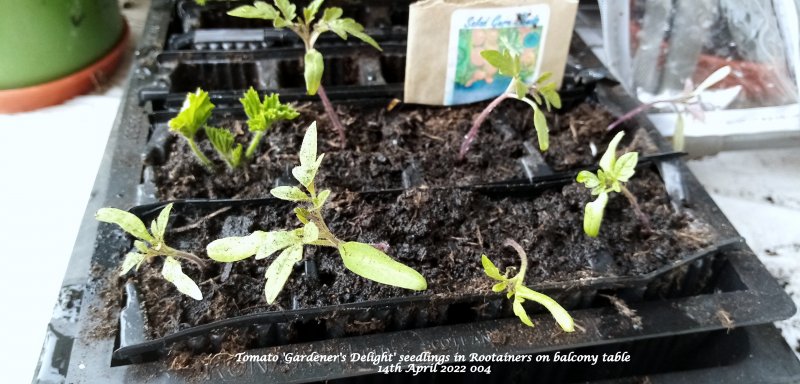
x=444 y=65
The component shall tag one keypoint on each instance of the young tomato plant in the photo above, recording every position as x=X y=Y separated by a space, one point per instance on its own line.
x=362 y=259
x=688 y=100
x=515 y=287
x=508 y=64
x=611 y=176
x=151 y=244
x=193 y=115
x=285 y=16
x=262 y=114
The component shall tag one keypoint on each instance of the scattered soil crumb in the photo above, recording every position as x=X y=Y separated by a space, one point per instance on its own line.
x=626 y=311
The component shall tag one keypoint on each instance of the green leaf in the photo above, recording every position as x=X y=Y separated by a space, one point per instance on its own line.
x=610 y=156
x=306 y=174
x=309 y=162
x=310 y=11
x=552 y=97
x=261 y=10
x=279 y=271
x=161 y=222
x=310 y=233
x=625 y=166
x=132 y=259
x=556 y=310
x=588 y=179
x=542 y=131
x=368 y=262
x=322 y=197
x=593 y=215
x=287 y=9
x=314 y=66
x=223 y=142
x=251 y=104
x=290 y=193
x=331 y=14
x=230 y=249
x=502 y=61
x=500 y=287
x=520 y=312
x=193 y=115
x=521 y=87
x=127 y=221
x=490 y=269
x=544 y=77
x=302 y=214
x=141 y=246
x=277 y=240
x=173 y=273
x=678 y=138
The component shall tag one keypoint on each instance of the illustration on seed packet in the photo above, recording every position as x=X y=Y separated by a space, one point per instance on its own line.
x=520 y=30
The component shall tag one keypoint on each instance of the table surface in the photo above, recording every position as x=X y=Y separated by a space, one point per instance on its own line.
x=51 y=156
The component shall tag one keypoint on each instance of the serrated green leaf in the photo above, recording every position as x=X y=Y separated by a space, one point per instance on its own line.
x=322 y=197
x=287 y=9
x=558 y=312
x=490 y=269
x=251 y=104
x=625 y=166
x=311 y=11
x=331 y=14
x=520 y=312
x=290 y=194
x=610 y=156
x=162 y=221
x=593 y=215
x=678 y=138
x=314 y=67
x=500 y=287
x=132 y=259
x=173 y=273
x=368 y=262
x=310 y=233
x=261 y=10
x=127 y=221
x=588 y=179
x=280 y=23
x=277 y=240
x=195 y=112
x=542 y=131
x=280 y=269
x=502 y=61
x=230 y=249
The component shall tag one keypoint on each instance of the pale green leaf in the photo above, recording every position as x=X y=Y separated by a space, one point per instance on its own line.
x=520 y=312
x=322 y=197
x=290 y=193
x=173 y=273
x=520 y=87
x=127 y=221
x=368 y=262
x=544 y=77
x=277 y=240
x=141 y=246
x=502 y=61
x=304 y=175
x=331 y=14
x=261 y=10
x=593 y=215
x=553 y=98
x=678 y=138
x=556 y=310
x=279 y=271
x=625 y=166
x=302 y=214
x=500 y=287
x=610 y=156
x=132 y=259
x=310 y=11
x=162 y=221
x=308 y=149
x=314 y=67
x=310 y=233
x=542 y=131
x=230 y=249
x=490 y=269
x=251 y=103
x=588 y=179
x=287 y=9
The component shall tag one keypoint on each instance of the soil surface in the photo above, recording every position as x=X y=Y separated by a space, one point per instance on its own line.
x=440 y=233
x=408 y=146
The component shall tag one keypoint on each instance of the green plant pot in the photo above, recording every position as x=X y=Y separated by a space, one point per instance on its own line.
x=43 y=40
